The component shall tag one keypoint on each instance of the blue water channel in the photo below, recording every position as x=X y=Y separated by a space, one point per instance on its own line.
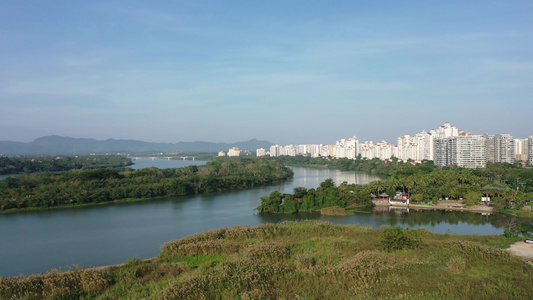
x=35 y=242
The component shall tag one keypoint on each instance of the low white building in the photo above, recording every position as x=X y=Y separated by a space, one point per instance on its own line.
x=235 y=151
x=260 y=152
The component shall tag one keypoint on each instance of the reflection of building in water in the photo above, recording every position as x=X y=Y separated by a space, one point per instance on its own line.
x=314 y=177
x=380 y=209
x=399 y=210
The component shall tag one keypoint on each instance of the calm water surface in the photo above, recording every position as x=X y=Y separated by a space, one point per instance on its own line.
x=110 y=234
x=163 y=163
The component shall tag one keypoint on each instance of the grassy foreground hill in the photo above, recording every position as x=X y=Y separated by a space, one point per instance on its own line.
x=303 y=260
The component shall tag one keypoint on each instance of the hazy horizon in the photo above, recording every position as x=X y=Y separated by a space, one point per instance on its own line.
x=288 y=72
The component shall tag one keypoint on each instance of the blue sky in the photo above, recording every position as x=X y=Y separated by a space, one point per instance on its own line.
x=284 y=71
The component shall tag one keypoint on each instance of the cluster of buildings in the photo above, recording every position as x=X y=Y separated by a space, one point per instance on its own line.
x=445 y=146
x=234 y=152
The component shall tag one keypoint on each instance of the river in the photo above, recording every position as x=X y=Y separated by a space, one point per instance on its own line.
x=100 y=235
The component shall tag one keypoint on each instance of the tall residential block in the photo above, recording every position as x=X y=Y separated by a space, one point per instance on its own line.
x=261 y=152
x=347 y=148
x=275 y=150
x=461 y=151
x=530 y=150
x=499 y=148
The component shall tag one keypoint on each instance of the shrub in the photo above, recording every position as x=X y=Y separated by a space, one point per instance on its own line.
x=397 y=238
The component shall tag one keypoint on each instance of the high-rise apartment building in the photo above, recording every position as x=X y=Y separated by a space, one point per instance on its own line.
x=461 y=151
x=381 y=150
x=471 y=151
x=521 y=150
x=421 y=146
x=446 y=130
x=275 y=150
x=441 y=157
x=499 y=148
x=347 y=148
x=261 y=152
x=530 y=150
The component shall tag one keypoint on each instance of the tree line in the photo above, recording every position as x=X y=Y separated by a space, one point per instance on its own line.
x=373 y=166
x=42 y=190
x=508 y=185
x=14 y=165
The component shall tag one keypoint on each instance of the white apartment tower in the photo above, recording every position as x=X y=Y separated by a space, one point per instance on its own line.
x=261 y=152
x=275 y=150
x=234 y=152
x=441 y=157
x=461 y=151
x=530 y=150
x=446 y=131
x=500 y=148
x=385 y=150
x=471 y=151
x=417 y=148
x=421 y=146
x=521 y=150
x=290 y=150
x=347 y=148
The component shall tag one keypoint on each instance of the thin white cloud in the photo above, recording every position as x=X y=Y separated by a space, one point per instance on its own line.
x=378 y=86
x=508 y=66
x=81 y=62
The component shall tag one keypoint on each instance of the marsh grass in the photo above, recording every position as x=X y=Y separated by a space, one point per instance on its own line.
x=303 y=260
x=333 y=211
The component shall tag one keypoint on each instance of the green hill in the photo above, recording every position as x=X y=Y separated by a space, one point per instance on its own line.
x=303 y=260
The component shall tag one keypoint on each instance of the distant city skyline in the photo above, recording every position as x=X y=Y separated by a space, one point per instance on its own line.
x=332 y=140
x=446 y=146
x=288 y=72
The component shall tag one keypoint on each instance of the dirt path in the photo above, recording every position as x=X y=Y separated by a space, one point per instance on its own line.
x=521 y=249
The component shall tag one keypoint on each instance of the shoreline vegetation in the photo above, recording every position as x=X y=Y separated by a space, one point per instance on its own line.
x=32 y=164
x=95 y=186
x=299 y=260
x=509 y=187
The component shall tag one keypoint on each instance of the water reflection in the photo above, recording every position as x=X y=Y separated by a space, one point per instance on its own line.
x=6 y=176
x=163 y=163
x=312 y=177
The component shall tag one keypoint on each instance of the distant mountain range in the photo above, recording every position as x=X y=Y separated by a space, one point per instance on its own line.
x=58 y=145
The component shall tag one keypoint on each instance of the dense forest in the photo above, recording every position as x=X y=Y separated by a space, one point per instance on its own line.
x=103 y=185
x=509 y=186
x=13 y=165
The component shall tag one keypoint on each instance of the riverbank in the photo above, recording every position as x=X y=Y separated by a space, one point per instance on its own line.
x=76 y=205
x=454 y=205
x=297 y=259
